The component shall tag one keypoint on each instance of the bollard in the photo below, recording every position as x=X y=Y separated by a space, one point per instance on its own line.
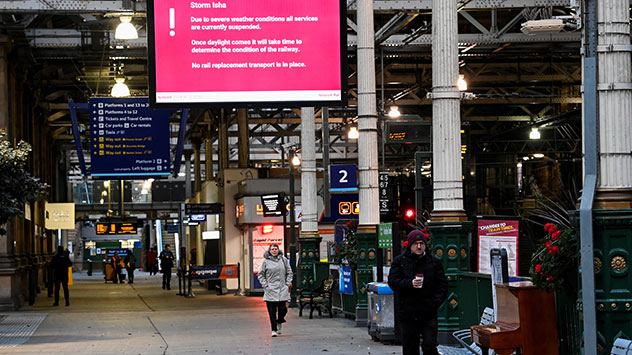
x=89 y=267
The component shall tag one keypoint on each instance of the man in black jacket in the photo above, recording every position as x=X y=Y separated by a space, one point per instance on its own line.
x=166 y=263
x=420 y=287
x=60 y=264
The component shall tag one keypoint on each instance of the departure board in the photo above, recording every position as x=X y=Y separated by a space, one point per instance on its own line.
x=128 y=139
x=408 y=132
x=105 y=228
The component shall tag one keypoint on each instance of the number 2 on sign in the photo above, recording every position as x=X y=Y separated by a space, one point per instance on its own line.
x=344 y=174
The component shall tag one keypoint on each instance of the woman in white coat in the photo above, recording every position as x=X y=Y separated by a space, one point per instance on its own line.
x=275 y=276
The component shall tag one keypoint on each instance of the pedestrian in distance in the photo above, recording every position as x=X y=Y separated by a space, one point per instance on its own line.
x=166 y=263
x=60 y=264
x=117 y=266
x=152 y=261
x=275 y=275
x=420 y=286
x=130 y=265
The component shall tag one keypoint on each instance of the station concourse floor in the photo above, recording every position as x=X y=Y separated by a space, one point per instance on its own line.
x=141 y=318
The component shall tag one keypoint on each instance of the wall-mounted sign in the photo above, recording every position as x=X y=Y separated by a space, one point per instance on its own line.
x=243 y=52
x=343 y=178
x=128 y=139
x=385 y=235
x=117 y=227
x=60 y=216
x=273 y=205
x=203 y=208
x=384 y=201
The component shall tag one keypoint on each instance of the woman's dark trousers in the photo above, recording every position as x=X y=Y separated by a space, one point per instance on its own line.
x=273 y=307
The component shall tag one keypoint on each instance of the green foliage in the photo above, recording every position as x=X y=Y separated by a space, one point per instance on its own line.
x=554 y=263
x=17 y=186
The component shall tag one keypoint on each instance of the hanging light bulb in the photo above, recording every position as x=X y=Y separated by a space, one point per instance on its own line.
x=534 y=134
x=353 y=133
x=120 y=89
x=461 y=83
x=125 y=29
x=296 y=161
x=394 y=112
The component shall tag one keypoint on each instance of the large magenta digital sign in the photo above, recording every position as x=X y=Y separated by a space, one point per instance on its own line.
x=247 y=52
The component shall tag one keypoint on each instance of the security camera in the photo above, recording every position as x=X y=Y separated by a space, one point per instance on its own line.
x=536 y=26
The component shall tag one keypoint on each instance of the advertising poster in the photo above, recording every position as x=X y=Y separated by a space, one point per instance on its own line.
x=260 y=244
x=346 y=280
x=498 y=234
x=246 y=51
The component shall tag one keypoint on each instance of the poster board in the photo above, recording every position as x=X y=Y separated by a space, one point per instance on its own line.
x=498 y=233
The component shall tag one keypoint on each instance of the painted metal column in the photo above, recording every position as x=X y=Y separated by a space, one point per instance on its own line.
x=243 y=144
x=208 y=154
x=446 y=116
x=448 y=226
x=367 y=120
x=309 y=192
x=197 y=166
x=187 y=175
x=223 y=143
x=615 y=105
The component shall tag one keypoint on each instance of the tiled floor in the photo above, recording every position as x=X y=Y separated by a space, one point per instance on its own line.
x=141 y=318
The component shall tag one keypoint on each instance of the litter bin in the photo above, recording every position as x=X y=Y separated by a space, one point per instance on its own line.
x=381 y=324
x=89 y=267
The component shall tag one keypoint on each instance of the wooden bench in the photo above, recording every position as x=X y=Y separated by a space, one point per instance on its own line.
x=318 y=299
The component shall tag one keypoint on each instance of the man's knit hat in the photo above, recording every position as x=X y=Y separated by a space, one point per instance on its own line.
x=415 y=236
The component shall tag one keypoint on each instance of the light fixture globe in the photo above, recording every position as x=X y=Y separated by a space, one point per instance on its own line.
x=120 y=89
x=296 y=161
x=461 y=83
x=534 y=134
x=125 y=30
x=394 y=112
x=353 y=133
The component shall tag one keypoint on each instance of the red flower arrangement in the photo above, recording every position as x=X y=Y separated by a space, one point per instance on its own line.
x=554 y=262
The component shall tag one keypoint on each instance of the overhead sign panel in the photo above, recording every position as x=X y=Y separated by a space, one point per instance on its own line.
x=203 y=208
x=105 y=228
x=343 y=178
x=408 y=132
x=128 y=139
x=247 y=52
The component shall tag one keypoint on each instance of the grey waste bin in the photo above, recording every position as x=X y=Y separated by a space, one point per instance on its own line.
x=381 y=322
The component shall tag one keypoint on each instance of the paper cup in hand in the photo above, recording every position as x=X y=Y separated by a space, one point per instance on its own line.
x=420 y=277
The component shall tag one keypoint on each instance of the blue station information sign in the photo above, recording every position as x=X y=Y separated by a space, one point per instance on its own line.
x=128 y=139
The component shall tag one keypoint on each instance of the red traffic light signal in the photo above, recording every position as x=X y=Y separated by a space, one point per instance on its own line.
x=409 y=213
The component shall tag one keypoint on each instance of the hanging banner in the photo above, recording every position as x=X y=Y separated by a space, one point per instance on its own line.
x=498 y=234
x=346 y=280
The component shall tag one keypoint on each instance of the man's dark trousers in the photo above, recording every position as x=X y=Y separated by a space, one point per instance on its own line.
x=166 y=278
x=410 y=331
